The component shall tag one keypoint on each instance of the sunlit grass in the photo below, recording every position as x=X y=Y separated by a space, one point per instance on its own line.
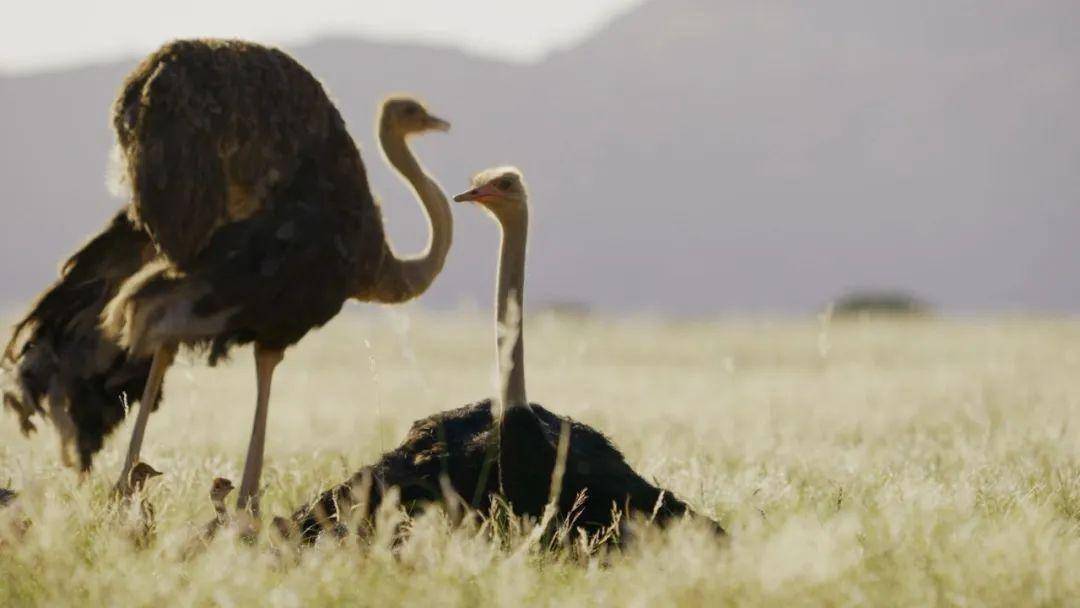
x=883 y=463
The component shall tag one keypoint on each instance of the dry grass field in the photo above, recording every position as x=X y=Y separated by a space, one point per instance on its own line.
x=894 y=463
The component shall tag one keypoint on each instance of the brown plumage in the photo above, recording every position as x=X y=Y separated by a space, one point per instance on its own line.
x=210 y=129
x=220 y=488
x=255 y=223
x=142 y=532
x=219 y=491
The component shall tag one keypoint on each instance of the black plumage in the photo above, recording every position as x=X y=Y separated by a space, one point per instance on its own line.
x=57 y=352
x=458 y=443
x=528 y=454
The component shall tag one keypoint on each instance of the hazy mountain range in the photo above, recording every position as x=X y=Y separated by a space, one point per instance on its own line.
x=693 y=156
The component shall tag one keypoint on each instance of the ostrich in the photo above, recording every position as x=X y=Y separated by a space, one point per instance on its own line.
x=526 y=454
x=259 y=220
x=17 y=522
x=7 y=497
x=220 y=488
x=457 y=445
x=142 y=534
x=141 y=473
x=219 y=491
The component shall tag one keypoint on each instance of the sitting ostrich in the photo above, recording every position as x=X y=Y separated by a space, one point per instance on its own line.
x=482 y=453
x=251 y=221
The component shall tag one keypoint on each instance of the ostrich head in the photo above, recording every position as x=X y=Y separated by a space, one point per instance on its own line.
x=406 y=116
x=500 y=190
x=141 y=473
x=219 y=489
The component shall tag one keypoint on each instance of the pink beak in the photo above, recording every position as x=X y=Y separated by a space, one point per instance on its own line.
x=477 y=194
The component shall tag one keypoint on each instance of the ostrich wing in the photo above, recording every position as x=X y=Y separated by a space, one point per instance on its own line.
x=268 y=279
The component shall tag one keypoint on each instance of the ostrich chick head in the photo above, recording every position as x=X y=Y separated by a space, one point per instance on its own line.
x=219 y=489
x=406 y=116
x=500 y=190
x=140 y=474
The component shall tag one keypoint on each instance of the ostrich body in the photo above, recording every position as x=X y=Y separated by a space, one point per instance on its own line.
x=456 y=445
x=257 y=208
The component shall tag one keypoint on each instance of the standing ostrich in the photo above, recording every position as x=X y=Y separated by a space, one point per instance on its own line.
x=246 y=179
x=457 y=445
x=142 y=533
x=220 y=488
x=219 y=491
x=257 y=205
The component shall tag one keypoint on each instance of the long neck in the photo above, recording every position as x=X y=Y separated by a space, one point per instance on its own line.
x=510 y=311
x=219 y=507
x=402 y=279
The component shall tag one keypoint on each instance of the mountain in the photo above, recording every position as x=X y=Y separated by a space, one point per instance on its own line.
x=694 y=156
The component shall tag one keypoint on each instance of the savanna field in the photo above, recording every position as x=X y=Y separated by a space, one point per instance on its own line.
x=857 y=462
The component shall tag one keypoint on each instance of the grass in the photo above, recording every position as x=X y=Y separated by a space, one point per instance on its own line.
x=902 y=463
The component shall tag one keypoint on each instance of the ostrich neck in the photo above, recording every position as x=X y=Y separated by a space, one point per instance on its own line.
x=404 y=278
x=509 y=310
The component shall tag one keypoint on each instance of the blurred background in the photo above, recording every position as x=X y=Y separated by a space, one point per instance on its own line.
x=685 y=157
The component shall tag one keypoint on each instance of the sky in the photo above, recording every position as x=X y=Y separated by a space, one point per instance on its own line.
x=45 y=34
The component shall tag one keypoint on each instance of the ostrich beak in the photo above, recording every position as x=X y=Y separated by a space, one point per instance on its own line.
x=434 y=123
x=476 y=194
x=465 y=197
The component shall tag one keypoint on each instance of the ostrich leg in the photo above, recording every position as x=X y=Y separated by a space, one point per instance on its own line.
x=163 y=358
x=266 y=360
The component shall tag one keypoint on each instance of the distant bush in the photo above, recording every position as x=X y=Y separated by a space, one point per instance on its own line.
x=880 y=303
x=563 y=309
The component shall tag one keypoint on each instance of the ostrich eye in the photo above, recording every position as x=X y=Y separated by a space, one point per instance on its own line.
x=503 y=184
